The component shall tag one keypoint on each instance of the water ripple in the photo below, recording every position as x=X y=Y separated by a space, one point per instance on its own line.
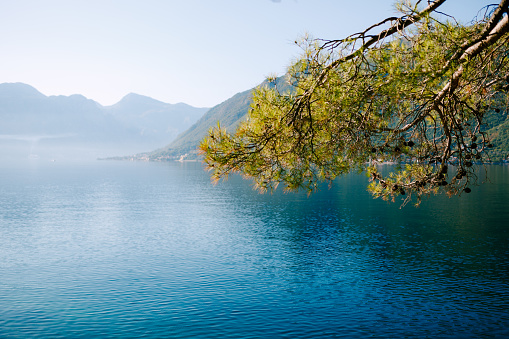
x=152 y=250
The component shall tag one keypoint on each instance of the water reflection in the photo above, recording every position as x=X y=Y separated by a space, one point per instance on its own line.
x=137 y=249
x=442 y=258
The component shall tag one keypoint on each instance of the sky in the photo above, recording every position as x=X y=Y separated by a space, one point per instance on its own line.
x=200 y=52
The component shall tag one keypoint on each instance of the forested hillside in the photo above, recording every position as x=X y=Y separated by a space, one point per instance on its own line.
x=230 y=112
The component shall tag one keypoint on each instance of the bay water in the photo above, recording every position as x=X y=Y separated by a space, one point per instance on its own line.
x=134 y=249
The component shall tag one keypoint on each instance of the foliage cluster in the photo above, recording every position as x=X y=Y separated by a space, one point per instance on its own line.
x=418 y=92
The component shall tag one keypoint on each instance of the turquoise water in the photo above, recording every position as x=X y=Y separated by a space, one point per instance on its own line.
x=122 y=249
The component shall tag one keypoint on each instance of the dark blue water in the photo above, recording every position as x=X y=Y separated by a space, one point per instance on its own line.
x=121 y=249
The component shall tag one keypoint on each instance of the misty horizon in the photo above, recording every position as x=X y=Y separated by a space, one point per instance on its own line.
x=57 y=125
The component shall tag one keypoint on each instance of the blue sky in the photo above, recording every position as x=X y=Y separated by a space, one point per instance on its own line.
x=200 y=52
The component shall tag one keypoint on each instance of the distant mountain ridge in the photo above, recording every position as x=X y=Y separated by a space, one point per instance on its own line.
x=140 y=123
x=134 y=124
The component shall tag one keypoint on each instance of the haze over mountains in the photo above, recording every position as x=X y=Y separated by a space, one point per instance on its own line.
x=33 y=124
x=137 y=127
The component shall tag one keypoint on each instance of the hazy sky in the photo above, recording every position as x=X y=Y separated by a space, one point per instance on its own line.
x=200 y=52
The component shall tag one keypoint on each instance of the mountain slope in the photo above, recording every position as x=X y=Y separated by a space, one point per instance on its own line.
x=232 y=111
x=228 y=113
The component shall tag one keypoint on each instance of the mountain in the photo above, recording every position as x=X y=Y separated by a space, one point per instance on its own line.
x=25 y=111
x=232 y=111
x=134 y=124
x=155 y=120
x=496 y=125
x=229 y=113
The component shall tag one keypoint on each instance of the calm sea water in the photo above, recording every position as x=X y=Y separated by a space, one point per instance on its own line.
x=121 y=249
